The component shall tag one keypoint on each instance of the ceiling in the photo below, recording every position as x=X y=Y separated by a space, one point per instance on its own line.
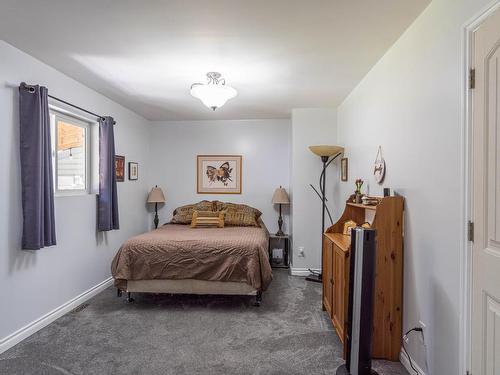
x=278 y=54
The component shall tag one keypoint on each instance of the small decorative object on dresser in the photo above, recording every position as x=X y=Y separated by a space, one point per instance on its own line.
x=348 y=225
x=219 y=174
x=278 y=250
x=156 y=196
x=370 y=201
x=133 y=171
x=357 y=192
x=389 y=192
x=120 y=168
x=344 y=174
x=280 y=197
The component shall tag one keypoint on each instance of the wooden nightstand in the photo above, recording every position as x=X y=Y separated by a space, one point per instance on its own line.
x=279 y=242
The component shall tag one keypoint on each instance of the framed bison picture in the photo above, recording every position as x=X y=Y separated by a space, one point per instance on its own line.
x=218 y=174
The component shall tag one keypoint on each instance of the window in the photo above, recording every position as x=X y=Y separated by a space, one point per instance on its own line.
x=71 y=156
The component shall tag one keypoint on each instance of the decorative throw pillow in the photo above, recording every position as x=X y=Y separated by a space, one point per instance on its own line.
x=241 y=215
x=207 y=219
x=217 y=206
x=184 y=214
x=205 y=206
x=241 y=208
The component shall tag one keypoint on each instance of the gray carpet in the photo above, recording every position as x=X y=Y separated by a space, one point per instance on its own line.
x=161 y=334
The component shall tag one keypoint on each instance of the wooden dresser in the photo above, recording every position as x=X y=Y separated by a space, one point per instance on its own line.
x=387 y=219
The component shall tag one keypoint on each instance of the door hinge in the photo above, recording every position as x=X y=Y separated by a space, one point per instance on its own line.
x=472 y=79
x=470 y=231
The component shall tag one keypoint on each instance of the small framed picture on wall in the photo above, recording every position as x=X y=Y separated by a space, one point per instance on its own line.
x=343 y=169
x=133 y=171
x=120 y=168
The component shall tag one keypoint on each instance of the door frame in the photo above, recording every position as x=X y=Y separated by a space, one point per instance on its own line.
x=465 y=313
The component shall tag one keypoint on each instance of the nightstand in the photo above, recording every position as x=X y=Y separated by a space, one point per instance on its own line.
x=279 y=250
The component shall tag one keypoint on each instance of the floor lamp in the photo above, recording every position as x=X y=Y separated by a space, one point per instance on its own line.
x=327 y=155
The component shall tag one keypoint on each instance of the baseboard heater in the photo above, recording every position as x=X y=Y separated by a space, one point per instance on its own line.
x=361 y=300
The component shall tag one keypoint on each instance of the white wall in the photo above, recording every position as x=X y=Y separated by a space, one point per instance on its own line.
x=410 y=104
x=36 y=282
x=264 y=144
x=310 y=126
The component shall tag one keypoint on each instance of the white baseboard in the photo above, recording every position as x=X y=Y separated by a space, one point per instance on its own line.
x=36 y=325
x=294 y=271
x=403 y=358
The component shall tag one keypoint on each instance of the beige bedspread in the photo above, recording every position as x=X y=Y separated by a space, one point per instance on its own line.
x=176 y=251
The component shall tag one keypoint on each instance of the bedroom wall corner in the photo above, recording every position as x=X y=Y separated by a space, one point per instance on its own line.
x=310 y=126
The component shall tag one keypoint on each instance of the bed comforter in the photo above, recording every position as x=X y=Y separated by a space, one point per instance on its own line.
x=174 y=251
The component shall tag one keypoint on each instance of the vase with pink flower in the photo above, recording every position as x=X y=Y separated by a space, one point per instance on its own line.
x=357 y=192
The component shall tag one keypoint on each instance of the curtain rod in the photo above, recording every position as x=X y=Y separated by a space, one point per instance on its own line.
x=31 y=89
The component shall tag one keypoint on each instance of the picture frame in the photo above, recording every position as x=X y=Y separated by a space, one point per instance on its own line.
x=219 y=174
x=133 y=171
x=120 y=168
x=344 y=173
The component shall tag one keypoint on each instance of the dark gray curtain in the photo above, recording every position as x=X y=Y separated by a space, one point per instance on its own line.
x=36 y=168
x=107 y=218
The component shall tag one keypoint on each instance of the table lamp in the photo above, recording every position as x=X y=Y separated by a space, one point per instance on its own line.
x=156 y=196
x=280 y=197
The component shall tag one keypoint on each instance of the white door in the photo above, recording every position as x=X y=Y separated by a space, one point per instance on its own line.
x=486 y=199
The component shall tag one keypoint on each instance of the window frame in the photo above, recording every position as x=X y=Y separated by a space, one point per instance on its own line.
x=73 y=119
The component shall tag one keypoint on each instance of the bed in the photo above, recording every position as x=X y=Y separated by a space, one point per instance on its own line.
x=176 y=258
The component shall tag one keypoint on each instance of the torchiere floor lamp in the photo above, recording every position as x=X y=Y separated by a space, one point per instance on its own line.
x=327 y=154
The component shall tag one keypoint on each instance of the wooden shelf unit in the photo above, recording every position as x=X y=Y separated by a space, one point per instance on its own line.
x=388 y=221
x=364 y=206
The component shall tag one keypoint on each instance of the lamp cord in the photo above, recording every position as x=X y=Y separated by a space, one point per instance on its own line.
x=405 y=336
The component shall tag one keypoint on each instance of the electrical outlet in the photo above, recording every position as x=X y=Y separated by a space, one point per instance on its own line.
x=424 y=331
x=301 y=252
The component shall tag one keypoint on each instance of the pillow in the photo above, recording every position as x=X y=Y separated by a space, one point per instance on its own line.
x=241 y=215
x=184 y=214
x=241 y=208
x=217 y=206
x=207 y=219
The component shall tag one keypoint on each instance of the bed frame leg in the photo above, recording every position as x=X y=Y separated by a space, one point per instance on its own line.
x=129 y=299
x=258 y=299
x=118 y=292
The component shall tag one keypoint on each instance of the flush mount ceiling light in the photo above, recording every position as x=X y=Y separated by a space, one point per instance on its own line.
x=215 y=93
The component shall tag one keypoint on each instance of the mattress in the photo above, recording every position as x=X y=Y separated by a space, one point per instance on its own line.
x=179 y=252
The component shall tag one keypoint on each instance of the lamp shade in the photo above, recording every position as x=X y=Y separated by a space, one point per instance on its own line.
x=156 y=196
x=280 y=196
x=324 y=150
x=213 y=95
